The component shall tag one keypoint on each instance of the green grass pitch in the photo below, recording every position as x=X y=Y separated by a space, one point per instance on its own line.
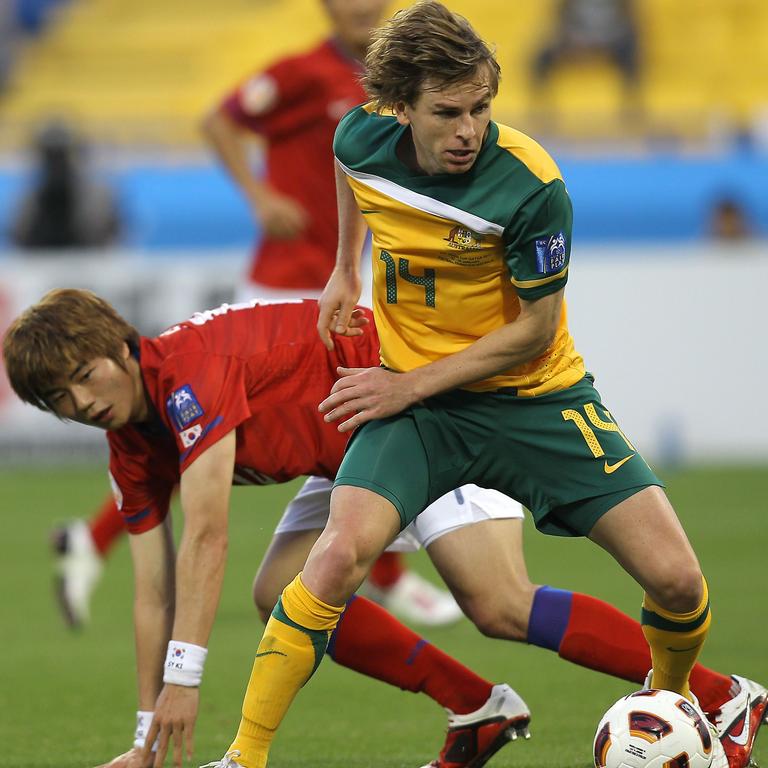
x=67 y=700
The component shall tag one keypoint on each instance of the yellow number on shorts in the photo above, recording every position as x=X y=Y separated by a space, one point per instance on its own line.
x=588 y=433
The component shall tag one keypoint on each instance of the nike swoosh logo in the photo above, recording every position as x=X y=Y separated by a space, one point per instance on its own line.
x=743 y=738
x=684 y=650
x=369 y=211
x=269 y=653
x=611 y=468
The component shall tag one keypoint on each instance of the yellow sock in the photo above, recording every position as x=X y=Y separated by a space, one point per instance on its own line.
x=291 y=648
x=675 y=640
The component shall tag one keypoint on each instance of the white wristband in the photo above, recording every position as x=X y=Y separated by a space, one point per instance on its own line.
x=143 y=724
x=184 y=664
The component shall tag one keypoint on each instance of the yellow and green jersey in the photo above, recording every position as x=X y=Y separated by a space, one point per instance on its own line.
x=454 y=253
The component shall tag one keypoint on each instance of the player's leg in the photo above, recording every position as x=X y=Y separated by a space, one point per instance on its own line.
x=474 y=538
x=580 y=475
x=284 y=558
x=483 y=563
x=360 y=526
x=397 y=589
x=644 y=535
x=565 y=457
x=371 y=641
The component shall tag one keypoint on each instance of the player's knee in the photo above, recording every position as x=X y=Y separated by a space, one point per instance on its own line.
x=501 y=620
x=680 y=589
x=343 y=563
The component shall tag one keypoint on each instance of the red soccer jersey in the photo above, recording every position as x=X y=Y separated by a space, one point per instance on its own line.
x=312 y=92
x=259 y=369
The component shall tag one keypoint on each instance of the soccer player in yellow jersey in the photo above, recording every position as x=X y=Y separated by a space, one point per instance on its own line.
x=480 y=380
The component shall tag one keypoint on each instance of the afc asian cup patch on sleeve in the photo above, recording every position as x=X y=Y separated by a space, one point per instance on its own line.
x=550 y=254
x=182 y=407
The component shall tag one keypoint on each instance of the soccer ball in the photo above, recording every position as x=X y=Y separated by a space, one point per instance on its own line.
x=653 y=729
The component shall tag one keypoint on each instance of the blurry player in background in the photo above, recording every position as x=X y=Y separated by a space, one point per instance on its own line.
x=291 y=109
x=249 y=367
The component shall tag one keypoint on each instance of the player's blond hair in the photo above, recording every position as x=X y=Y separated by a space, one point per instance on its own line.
x=50 y=339
x=425 y=42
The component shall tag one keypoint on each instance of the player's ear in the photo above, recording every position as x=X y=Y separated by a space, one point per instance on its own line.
x=125 y=352
x=401 y=113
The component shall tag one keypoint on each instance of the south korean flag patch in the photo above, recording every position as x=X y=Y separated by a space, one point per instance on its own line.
x=183 y=407
x=189 y=436
x=550 y=254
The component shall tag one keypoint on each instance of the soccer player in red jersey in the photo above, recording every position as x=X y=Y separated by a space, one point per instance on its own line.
x=229 y=396
x=292 y=109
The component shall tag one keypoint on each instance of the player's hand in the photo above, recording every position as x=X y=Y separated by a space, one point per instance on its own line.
x=173 y=724
x=281 y=217
x=133 y=758
x=364 y=394
x=337 y=313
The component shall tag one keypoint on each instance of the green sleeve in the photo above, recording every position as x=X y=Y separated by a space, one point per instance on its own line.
x=537 y=241
x=349 y=135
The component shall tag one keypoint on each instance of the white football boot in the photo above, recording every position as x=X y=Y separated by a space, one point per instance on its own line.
x=228 y=761
x=416 y=601
x=78 y=568
x=739 y=719
x=474 y=738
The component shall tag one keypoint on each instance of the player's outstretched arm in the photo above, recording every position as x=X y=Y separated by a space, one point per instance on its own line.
x=342 y=292
x=153 y=564
x=205 y=490
x=153 y=557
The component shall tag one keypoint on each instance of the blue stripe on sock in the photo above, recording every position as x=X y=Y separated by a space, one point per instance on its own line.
x=416 y=651
x=331 y=650
x=549 y=618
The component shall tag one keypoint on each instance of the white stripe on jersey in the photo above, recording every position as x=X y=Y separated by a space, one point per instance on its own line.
x=423 y=203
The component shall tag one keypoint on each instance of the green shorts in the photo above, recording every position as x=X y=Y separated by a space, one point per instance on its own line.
x=561 y=455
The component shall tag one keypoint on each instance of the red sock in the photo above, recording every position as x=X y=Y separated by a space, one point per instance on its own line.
x=603 y=638
x=106 y=526
x=371 y=641
x=387 y=570
x=711 y=688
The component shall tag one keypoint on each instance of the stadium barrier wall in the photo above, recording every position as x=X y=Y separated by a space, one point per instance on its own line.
x=650 y=197
x=675 y=337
